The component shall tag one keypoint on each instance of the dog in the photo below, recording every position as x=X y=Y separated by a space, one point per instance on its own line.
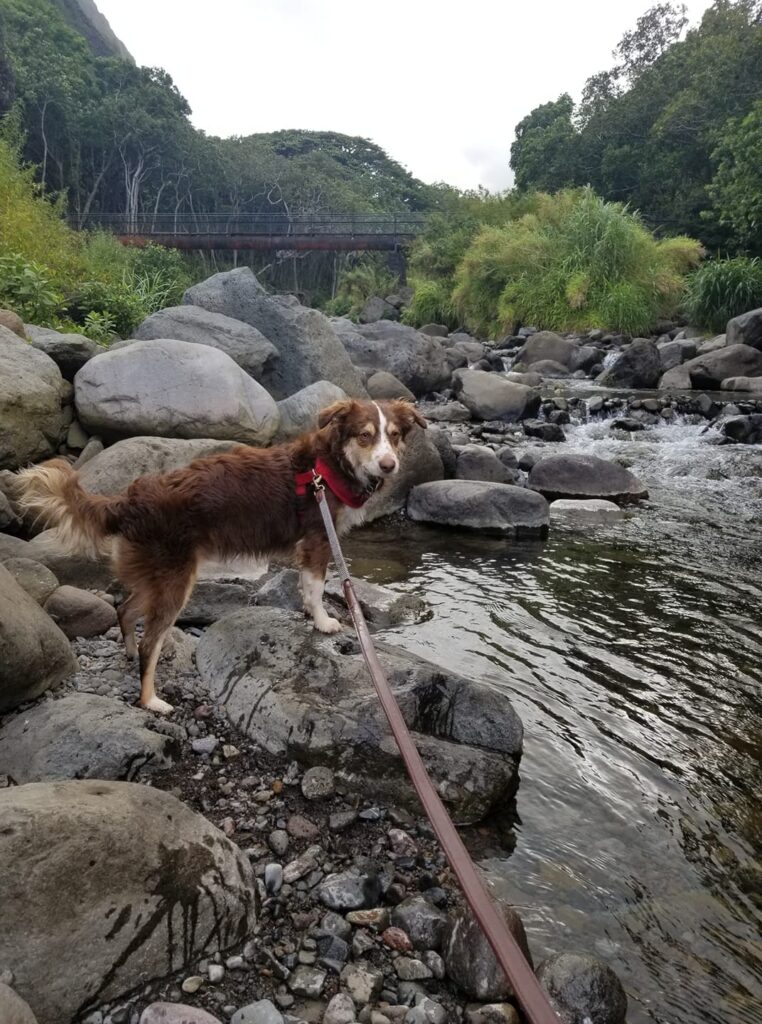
x=245 y=502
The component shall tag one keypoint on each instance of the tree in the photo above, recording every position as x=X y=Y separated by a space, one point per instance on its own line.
x=736 y=189
x=543 y=155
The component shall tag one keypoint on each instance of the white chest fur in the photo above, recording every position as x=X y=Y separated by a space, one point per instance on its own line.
x=347 y=518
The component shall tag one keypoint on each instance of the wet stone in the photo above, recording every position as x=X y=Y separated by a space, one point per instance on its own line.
x=318 y=783
x=362 y=982
x=345 y=891
x=412 y=970
x=306 y=981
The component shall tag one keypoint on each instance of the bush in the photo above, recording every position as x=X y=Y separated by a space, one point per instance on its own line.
x=367 y=276
x=574 y=263
x=26 y=289
x=432 y=304
x=722 y=289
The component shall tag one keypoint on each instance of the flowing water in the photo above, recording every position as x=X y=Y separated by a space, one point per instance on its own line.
x=633 y=653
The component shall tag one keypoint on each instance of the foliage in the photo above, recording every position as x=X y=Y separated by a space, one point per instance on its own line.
x=574 y=263
x=365 y=277
x=737 y=185
x=99 y=327
x=722 y=289
x=25 y=287
x=432 y=304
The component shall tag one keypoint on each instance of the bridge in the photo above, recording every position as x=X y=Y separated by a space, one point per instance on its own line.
x=266 y=232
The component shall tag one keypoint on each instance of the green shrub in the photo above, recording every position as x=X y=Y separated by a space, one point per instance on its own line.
x=722 y=289
x=574 y=262
x=432 y=304
x=99 y=327
x=25 y=287
x=116 y=300
x=367 y=276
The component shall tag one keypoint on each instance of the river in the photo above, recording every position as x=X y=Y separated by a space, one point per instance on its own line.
x=633 y=653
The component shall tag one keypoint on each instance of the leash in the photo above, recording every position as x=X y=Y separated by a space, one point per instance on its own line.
x=529 y=994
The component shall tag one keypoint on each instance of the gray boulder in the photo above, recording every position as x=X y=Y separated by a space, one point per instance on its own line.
x=468 y=735
x=712 y=344
x=69 y=352
x=473 y=350
x=531 y=380
x=470 y=962
x=13 y=1009
x=13 y=322
x=79 y=613
x=584 y=512
x=475 y=462
x=753 y=384
x=676 y=379
x=157 y=887
x=746 y=329
x=33 y=577
x=377 y=308
x=435 y=330
x=584 y=476
x=31 y=392
x=34 y=653
x=308 y=345
x=710 y=370
x=581 y=989
x=637 y=366
x=243 y=343
x=743 y=429
x=448 y=412
x=420 y=463
x=382 y=384
x=82 y=736
x=425 y=925
x=549 y=368
x=547 y=345
x=179 y=1013
x=489 y=396
x=299 y=412
x=476 y=505
x=671 y=354
x=416 y=359
x=170 y=388
x=114 y=469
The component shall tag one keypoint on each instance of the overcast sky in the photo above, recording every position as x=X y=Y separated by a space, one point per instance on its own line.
x=439 y=84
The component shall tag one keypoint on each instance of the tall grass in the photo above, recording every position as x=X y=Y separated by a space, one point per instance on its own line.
x=722 y=289
x=575 y=262
x=431 y=304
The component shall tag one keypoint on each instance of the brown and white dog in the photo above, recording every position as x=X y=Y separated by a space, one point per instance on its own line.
x=248 y=501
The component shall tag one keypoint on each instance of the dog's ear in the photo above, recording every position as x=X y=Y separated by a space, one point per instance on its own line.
x=335 y=413
x=407 y=414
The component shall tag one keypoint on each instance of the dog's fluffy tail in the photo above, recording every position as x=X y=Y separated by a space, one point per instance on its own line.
x=53 y=494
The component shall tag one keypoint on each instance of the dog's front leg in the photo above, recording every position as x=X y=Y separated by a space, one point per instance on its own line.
x=314 y=553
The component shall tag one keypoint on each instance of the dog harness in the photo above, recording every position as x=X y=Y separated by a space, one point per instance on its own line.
x=323 y=473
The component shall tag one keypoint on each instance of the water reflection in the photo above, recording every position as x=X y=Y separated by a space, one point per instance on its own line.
x=633 y=653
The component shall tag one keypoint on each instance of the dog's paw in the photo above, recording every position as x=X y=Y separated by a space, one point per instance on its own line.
x=328 y=625
x=159 y=705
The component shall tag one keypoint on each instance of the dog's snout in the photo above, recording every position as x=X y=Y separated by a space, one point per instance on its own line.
x=388 y=463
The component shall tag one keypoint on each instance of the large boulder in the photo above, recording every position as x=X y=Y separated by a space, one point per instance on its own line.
x=753 y=384
x=710 y=370
x=114 y=469
x=637 y=366
x=33 y=577
x=547 y=345
x=383 y=384
x=243 y=343
x=69 y=352
x=477 y=462
x=478 y=505
x=416 y=359
x=469 y=736
x=119 y=882
x=299 y=412
x=170 y=388
x=746 y=329
x=581 y=988
x=420 y=462
x=13 y=322
x=82 y=736
x=13 y=1009
x=308 y=345
x=489 y=396
x=34 y=653
x=79 y=613
x=31 y=391
x=584 y=476
x=743 y=429
x=377 y=308
x=469 y=958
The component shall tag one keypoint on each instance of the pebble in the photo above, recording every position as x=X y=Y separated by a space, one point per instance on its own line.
x=192 y=984
x=318 y=783
x=340 y=1010
x=235 y=963
x=377 y=918
x=401 y=843
x=205 y=745
x=435 y=963
x=362 y=982
x=335 y=924
x=302 y=828
x=216 y=973
x=412 y=970
x=340 y=820
x=278 y=841
x=302 y=866
x=273 y=878
x=262 y=1012
x=372 y=814
x=396 y=939
x=306 y=981
x=426 y=1012
x=346 y=891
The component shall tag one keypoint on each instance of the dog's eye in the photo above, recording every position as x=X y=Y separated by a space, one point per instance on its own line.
x=365 y=437
x=394 y=435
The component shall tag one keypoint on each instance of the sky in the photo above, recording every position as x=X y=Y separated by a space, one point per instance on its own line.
x=439 y=84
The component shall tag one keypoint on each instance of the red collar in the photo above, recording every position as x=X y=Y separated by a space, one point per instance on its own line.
x=335 y=481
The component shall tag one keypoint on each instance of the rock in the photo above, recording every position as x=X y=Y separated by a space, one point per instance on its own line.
x=709 y=371
x=348 y=891
x=318 y=783
x=476 y=505
x=584 y=476
x=637 y=366
x=340 y=1010
x=753 y=384
x=377 y=308
x=299 y=412
x=471 y=964
x=581 y=988
x=473 y=350
x=31 y=392
x=13 y=322
x=14 y=547
x=420 y=463
x=243 y=343
x=543 y=430
x=435 y=330
x=254 y=661
x=450 y=412
x=79 y=613
x=671 y=354
x=306 y=981
x=177 y=1013
x=628 y=425
x=13 y=1009
x=82 y=736
x=545 y=345
x=743 y=429
x=168 y=388
x=416 y=359
x=531 y=380
x=424 y=924
x=261 y=1012
x=385 y=385
x=213 y=599
x=676 y=379
x=362 y=982
x=308 y=345
x=409 y=969
x=93 y=447
x=584 y=512
x=69 y=352
x=427 y=1012
x=162 y=887
x=491 y=397
x=493 y=1013
x=549 y=368
x=33 y=577
x=475 y=462
x=34 y=653
x=746 y=329
x=76 y=438
x=712 y=344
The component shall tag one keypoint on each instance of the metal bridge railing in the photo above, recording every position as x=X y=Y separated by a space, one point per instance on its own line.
x=260 y=224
